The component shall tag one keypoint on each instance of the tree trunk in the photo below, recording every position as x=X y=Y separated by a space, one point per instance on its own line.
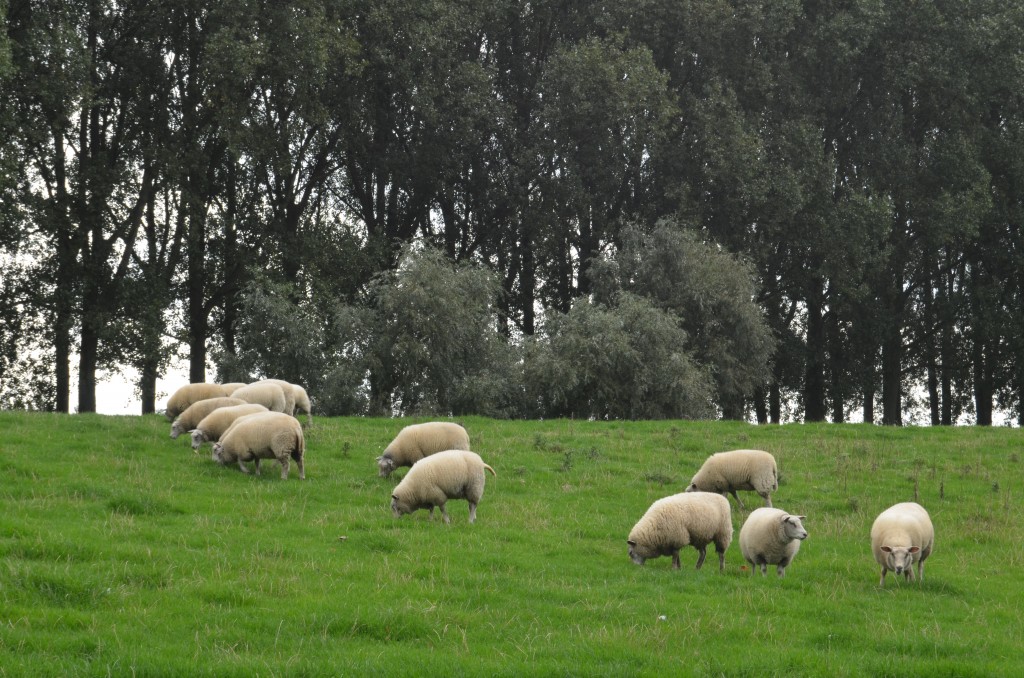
x=87 y=354
x=814 y=374
x=892 y=376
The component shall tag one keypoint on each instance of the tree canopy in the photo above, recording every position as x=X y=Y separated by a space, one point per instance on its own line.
x=781 y=210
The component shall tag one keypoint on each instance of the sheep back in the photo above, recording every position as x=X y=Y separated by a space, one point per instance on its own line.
x=191 y=393
x=194 y=413
x=416 y=441
x=686 y=519
x=432 y=481
x=289 y=394
x=738 y=470
x=271 y=396
x=902 y=535
x=232 y=386
x=216 y=423
x=770 y=536
x=265 y=435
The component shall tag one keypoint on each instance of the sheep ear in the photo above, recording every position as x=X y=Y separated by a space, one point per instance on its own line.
x=887 y=549
x=915 y=549
x=394 y=497
x=801 y=518
x=378 y=459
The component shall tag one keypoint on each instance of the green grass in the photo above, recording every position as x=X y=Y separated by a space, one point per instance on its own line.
x=123 y=553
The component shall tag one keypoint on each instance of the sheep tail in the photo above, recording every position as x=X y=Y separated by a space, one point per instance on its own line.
x=493 y=473
x=299 y=450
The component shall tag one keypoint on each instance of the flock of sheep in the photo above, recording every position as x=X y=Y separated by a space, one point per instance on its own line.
x=249 y=422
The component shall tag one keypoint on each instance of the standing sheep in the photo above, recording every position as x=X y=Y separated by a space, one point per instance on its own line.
x=271 y=396
x=738 y=470
x=216 y=423
x=770 y=536
x=302 y=403
x=265 y=435
x=900 y=536
x=695 y=519
x=416 y=441
x=195 y=412
x=191 y=393
x=432 y=481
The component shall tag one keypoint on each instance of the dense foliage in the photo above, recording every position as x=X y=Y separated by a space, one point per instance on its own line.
x=185 y=178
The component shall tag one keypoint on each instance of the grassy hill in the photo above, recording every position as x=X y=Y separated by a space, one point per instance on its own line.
x=122 y=552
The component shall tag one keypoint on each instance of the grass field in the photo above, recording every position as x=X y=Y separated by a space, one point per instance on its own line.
x=123 y=553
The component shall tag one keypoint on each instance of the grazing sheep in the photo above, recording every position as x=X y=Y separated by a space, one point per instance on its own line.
x=416 y=441
x=265 y=435
x=433 y=480
x=289 y=394
x=900 y=536
x=738 y=470
x=271 y=396
x=195 y=412
x=302 y=403
x=695 y=519
x=191 y=393
x=216 y=423
x=233 y=386
x=770 y=536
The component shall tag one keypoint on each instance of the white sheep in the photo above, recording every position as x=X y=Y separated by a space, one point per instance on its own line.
x=770 y=536
x=264 y=435
x=216 y=423
x=416 y=441
x=190 y=393
x=687 y=519
x=233 y=386
x=271 y=396
x=738 y=470
x=900 y=536
x=433 y=480
x=302 y=403
x=289 y=394
x=194 y=413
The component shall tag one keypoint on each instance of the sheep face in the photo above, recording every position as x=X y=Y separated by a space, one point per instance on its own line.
x=794 y=528
x=899 y=558
x=218 y=454
x=639 y=554
x=399 y=508
x=386 y=465
x=198 y=438
x=177 y=428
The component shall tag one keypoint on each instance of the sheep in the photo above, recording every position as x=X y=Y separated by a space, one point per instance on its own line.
x=271 y=396
x=302 y=403
x=216 y=423
x=738 y=470
x=195 y=412
x=233 y=386
x=770 y=536
x=289 y=394
x=190 y=393
x=900 y=536
x=433 y=480
x=265 y=435
x=685 y=519
x=416 y=441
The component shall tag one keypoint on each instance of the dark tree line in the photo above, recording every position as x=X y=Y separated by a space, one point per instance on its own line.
x=650 y=208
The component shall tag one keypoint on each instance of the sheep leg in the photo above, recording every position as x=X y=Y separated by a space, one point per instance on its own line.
x=920 y=571
x=242 y=466
x=302 y=468
x=256 y=463
x=675 y=561
x=764 y=569
x=737 y=497
x=444 y=515
x=472 y=512
x=721 y=557
x=767 y=496
x=284 y=468
x=703 y=551
x=881 y=582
